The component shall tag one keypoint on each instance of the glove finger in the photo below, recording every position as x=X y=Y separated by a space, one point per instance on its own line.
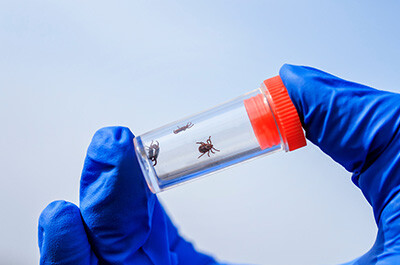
x=62 y=237
x=115 y=202
x=350 y=122
x=356 y=125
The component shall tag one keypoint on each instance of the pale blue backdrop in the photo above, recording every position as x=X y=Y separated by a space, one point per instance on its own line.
x=70 y=67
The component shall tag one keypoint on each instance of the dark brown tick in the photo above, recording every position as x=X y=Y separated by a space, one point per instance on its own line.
x=154 y=150
x=181 y=129
x=206 y=147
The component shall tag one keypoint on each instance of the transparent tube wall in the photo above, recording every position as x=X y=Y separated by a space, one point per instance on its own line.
x=203 y=143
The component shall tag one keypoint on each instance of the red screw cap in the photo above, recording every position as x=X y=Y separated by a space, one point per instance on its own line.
x=278 y=112
x=287 y=118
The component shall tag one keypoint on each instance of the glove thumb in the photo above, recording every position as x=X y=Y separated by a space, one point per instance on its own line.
x=62 y=237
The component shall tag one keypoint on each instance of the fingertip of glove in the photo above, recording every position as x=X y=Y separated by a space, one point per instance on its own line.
x=57 y=217
x=111 y=144
x=286 y=67
x=62 y=236
x=291 y=74
x=58 y=210
x=112 y=136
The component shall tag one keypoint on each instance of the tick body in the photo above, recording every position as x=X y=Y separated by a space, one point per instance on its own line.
x=206 y=147
x=154 y=150
x=183 y=128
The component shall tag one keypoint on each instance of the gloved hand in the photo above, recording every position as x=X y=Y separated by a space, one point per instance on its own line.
x=356 y=125
x=359 y=128
x=119 y=220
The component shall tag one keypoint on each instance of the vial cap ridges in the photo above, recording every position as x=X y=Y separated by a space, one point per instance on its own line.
x=285 y=113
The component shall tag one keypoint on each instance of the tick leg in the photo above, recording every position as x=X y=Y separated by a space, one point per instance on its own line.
x=215 y=149
x=201 y=155
x=208 y=153
x=155 y=162
x=200 y=143
x=212 y=151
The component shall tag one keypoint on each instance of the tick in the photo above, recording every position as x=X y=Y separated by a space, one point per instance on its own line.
x=181 y=129
x=206 y=147
x=154 y=150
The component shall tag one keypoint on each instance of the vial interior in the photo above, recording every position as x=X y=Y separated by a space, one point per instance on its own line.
x=200 y=144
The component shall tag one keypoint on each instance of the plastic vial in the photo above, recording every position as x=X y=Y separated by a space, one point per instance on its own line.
x=257 y=123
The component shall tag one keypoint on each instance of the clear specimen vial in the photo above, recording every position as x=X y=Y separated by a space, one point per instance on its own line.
x=257 y=123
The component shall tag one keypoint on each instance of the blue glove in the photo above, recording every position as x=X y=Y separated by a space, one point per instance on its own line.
x=119 y=220
x=358 y=127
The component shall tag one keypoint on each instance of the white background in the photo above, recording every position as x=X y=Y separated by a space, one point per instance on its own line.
x=68 y=68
